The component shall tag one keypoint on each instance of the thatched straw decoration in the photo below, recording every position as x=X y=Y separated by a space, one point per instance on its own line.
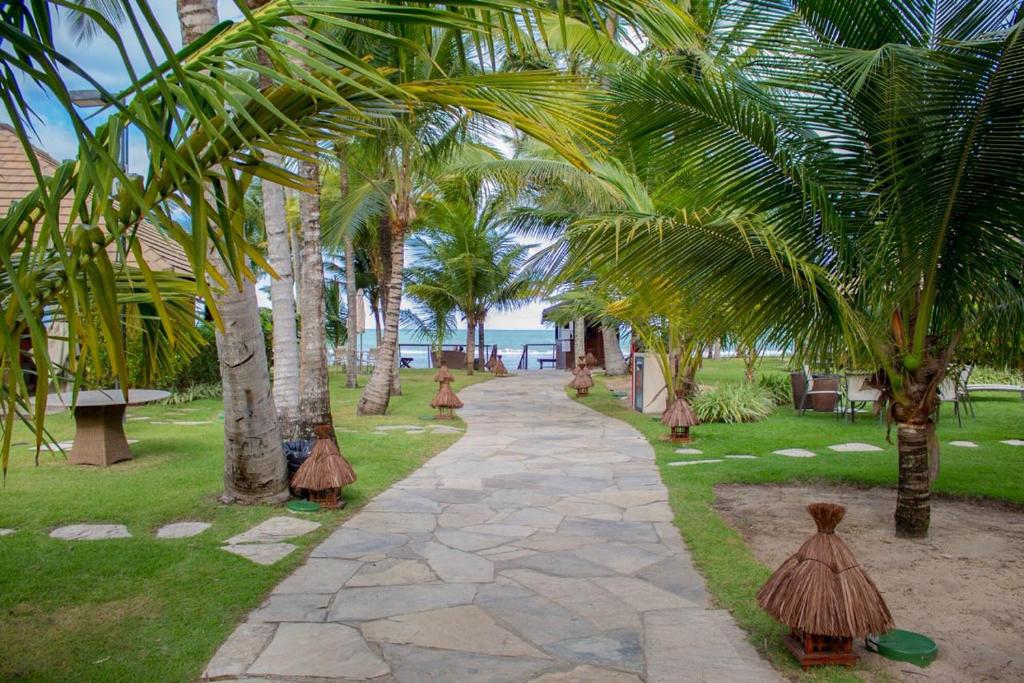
x=325 y=468
x=679 y=414
x=446 y=398
x=444 y=374
x=591 y=360
x=821 y=589
x=582 y=379
x=499 y=368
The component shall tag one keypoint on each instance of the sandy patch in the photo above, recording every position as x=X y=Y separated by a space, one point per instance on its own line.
x=963 y=585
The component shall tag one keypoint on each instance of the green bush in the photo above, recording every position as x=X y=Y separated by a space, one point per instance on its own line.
x=777 y=386
x=732 y=403
x=988 y=375
x=194 y=392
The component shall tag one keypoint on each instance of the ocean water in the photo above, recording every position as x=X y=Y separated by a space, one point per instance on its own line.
x=509 y=342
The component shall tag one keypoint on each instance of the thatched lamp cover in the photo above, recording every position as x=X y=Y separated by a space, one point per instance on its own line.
x=582 y=379
x=679 y=417
x=824 y=596
x=499 y=368
x=325 y=471
x=445 y=400
x=591 y=360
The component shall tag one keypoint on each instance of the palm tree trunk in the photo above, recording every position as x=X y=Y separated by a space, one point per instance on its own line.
x=613 y=361
x=296 y=239
x=579 y=339
x=480 y=343
x=913 y=501
x=254 y=467
x=314 y=385
x=396 y=378
x=282 y=303
x=470 y=345
x=351 y=292
x=377 y=394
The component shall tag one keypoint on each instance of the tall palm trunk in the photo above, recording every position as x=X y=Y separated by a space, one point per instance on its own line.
x=481 y=344
x=470 y=345
x=377 y=394
x=613 y=361
x=351 y=294
x=579 y=339
x=913 y=499
x=254 y=468
x=282 y=306
x=314 y=387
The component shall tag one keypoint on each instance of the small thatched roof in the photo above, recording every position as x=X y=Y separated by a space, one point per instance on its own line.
x=679 y=414
x=499 y=367
x=821 y=589
x=582 y=378
x=444 y=374
x=446 y=398
x=325 y=468
x=590 y=359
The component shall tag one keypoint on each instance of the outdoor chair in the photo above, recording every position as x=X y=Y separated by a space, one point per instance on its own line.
x=954 y=390
x=858 y=394
x=816 y=386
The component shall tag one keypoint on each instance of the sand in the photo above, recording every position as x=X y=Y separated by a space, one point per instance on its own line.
x=963 y=586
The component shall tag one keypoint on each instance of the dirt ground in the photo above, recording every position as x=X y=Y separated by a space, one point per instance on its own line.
x=963 y=586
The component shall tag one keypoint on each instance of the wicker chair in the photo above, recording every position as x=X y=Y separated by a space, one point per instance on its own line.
x=810 y=390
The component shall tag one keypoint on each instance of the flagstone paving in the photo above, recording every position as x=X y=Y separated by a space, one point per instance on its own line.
x=539 y=548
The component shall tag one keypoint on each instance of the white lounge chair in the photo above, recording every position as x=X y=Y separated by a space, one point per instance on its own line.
x=858 y=394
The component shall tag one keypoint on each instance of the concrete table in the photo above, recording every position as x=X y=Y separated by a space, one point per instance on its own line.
x=99 y=423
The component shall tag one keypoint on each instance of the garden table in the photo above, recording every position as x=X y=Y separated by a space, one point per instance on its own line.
x=99 y=423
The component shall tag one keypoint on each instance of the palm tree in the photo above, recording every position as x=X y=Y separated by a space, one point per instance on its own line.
x=200 y=121
x=837 y=177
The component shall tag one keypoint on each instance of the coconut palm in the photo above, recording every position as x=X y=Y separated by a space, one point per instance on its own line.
x=206 y=127
x=839 y=179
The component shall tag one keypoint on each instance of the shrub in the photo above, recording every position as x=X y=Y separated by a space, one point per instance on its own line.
x=194 y=392
x=987 y=375
x=732 y=403
x=777 y=386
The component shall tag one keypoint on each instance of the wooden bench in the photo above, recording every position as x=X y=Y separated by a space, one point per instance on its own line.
x=543 y=361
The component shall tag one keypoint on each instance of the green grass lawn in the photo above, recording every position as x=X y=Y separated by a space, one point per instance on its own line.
x=994 y=471
x=142 y=609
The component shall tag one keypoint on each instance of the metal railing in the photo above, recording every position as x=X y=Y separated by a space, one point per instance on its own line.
x=524 y=359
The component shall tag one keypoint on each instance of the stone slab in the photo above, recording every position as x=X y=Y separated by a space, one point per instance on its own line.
x=587 y=674
x=456 y=566
x=687 y=463
x=274 y=530
x=1013 y=442
x=182 y=529
x=7 y=532
x=796 y=453
x=239 y=651
x=689 y=451
x=90 y=532
x=421 y=665
x=855 y=447
x=963 y=444
x=741 y=457
x=261 y=553
x=319 y=650
x=466 y=628
x=392 y=572
x=319 y=575
x=362 y=604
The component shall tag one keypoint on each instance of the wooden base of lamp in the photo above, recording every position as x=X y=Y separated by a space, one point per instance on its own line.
x=583 y=392
x=681 y=435
x=329 y=500
x=445 y=414
x=813 y=650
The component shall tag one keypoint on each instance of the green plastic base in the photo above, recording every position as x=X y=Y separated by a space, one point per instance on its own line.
x=303 y=506
x=904 y=646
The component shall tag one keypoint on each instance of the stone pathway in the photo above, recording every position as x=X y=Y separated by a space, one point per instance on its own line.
x=537 y=548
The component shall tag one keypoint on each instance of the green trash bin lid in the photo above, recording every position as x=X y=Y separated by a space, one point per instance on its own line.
x=904 y=646
x=303 y=506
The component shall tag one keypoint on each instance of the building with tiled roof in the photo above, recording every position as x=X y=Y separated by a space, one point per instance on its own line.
x=17 y=179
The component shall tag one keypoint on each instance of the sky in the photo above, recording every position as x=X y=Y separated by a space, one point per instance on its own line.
x=53 y=132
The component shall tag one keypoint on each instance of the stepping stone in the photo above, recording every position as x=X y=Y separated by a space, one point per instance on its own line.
x=192 y=423
x=467 y=628
x=796 y=453
x=261 y=553
x=392 y=428
x=139 y=417
x=7 y=532
x=456 y=566
x=741 y=457
x=318 y=650
x=90 y=532
x=382 y=602
x=620 y=648
x=685 y=463
x=855 y=447
x=54 y=447
x=445 y=429
x=689 y=451
x=963 y=444
x=319 y=575
x=1013 y=442
x=182 y=529
x=274 y=530
x=424 y=665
